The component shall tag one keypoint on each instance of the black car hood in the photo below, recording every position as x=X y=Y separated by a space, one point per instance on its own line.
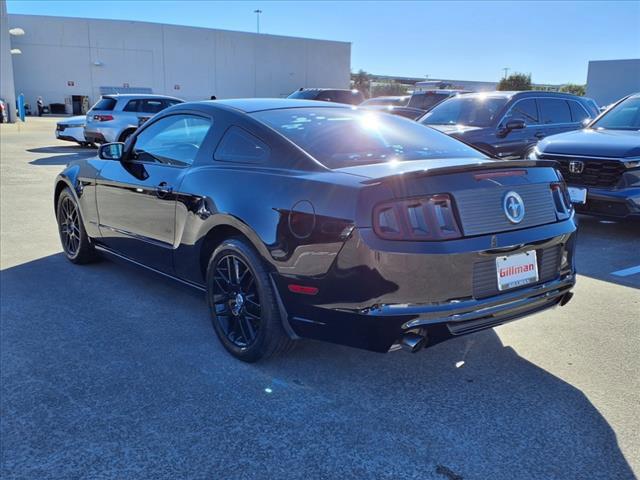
x=597 y=143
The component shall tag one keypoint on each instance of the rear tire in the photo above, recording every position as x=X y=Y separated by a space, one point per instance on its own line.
x=75 y=242
x=243 y=304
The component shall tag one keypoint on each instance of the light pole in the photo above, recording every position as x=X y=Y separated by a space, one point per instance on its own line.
x=506 y=70
x=257 y=12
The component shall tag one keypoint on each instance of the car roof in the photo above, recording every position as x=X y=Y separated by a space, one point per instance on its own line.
x=116 y=96
x=250 y=105
x=440 y=90
x=317 y=89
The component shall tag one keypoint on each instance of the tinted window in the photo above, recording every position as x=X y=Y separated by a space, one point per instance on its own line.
x=476 y=110
x=340 y=137
x=624 y=116
x=151 y=105
x=394 y=101
x=173 y=140
x=105 y=103
x=238 y=145
x=426 y=101
x=578 y=113
x=304 y=94
x=132 y=106
x=554 y=110
x=525 y=110
x=171 y=103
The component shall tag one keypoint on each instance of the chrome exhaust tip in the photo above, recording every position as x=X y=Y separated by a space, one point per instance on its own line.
x=412 y=341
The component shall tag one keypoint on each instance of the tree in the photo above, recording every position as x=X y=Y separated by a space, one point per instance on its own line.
x=515 y=81
x=361 y=82
x=388 y=89
x=574 y=88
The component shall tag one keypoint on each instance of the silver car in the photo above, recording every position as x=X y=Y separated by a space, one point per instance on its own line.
x=115 y=117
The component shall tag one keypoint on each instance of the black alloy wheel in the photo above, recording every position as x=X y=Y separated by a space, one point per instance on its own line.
x=243 y=304
x=75 y=241
x=237 y=302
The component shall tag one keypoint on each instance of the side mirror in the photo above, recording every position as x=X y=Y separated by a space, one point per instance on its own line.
x=111 y=151
x=515 y=124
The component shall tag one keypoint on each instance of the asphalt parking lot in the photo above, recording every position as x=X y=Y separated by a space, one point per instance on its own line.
x=108 y=371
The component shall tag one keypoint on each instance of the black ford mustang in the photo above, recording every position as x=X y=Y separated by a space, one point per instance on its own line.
x=308 y=219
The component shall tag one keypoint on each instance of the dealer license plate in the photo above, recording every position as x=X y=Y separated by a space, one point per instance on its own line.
x=516 y=270
x=577 y=195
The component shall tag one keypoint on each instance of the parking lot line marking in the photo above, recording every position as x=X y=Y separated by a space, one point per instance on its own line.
x=627 y=271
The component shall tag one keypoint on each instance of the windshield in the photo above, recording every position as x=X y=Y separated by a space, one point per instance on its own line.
x=624 y=116
x=426 y=101
x=476 y=111
x=341 y=137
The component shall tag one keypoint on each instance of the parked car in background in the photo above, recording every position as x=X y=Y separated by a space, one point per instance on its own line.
x=4 y=112
x=406 y=112
x=601 y=163
x=72 y=130
x=394 y=101
x=115 y=117
x=509 y=124
x=351 y=97
x=425 y=100
x=319 y=220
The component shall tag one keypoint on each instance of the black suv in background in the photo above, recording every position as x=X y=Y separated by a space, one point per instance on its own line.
x=427 y=99
x=509 y=124
x=352 y=97
x=601 y=164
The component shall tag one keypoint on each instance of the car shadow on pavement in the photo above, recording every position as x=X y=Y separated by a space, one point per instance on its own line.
x=65 y=155
x=607 y=246
x=109 y=370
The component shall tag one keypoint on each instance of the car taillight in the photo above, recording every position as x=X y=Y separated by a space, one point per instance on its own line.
x=423 y=218
x=103 y=118
x=561 y=197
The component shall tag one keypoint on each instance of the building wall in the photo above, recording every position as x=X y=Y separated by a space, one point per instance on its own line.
x=7 y=89
x=610 y=80
x=70 y=56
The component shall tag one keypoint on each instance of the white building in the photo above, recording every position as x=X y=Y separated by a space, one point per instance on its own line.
x=610 y=80
x=73 y=61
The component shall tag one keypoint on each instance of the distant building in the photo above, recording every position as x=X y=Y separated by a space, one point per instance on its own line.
x=610 y=80
x=72 y=61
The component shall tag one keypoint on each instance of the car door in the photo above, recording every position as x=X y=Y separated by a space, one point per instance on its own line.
x=515 y=143
x=136 y=197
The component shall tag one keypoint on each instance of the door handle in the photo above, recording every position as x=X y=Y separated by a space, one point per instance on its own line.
x=540 y=135
x=163 y=189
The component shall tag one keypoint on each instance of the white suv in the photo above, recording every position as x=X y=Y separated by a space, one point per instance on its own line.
x=115 y=117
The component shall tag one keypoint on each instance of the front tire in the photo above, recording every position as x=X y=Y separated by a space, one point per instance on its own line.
x=75 y=241
x=243 y=304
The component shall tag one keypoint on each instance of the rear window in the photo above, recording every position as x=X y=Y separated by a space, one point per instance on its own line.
x=105 y=103
x=476 y=111
x=342 y=137
x=304 y=94
x=426 y=101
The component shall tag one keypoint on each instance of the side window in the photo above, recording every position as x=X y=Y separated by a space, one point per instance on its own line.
x=525 y=110
x=173 y=140
x=240 y=146
x=131 y=106
x=170 y=103
x=151 y=105
x=554 y=110
x=578 y=114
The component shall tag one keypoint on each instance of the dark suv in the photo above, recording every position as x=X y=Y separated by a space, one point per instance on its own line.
x=351 y=97
x=509 y=124
x=427 y=99
x=601 y=164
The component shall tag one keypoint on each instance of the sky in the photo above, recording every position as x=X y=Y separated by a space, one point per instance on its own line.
x=553 y=41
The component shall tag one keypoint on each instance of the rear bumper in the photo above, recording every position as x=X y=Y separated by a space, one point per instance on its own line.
x=100 y=134
x=614 y=203
x=372 y=296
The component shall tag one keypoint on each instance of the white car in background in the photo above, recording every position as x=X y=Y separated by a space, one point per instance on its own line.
x=72 y=130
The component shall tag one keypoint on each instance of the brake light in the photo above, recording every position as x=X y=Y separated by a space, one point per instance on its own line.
x=561 y=197
x=424 y=218
x=103 y=118
x=303 y=289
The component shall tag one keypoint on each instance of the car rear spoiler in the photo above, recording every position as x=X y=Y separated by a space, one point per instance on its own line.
x=472 y=167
